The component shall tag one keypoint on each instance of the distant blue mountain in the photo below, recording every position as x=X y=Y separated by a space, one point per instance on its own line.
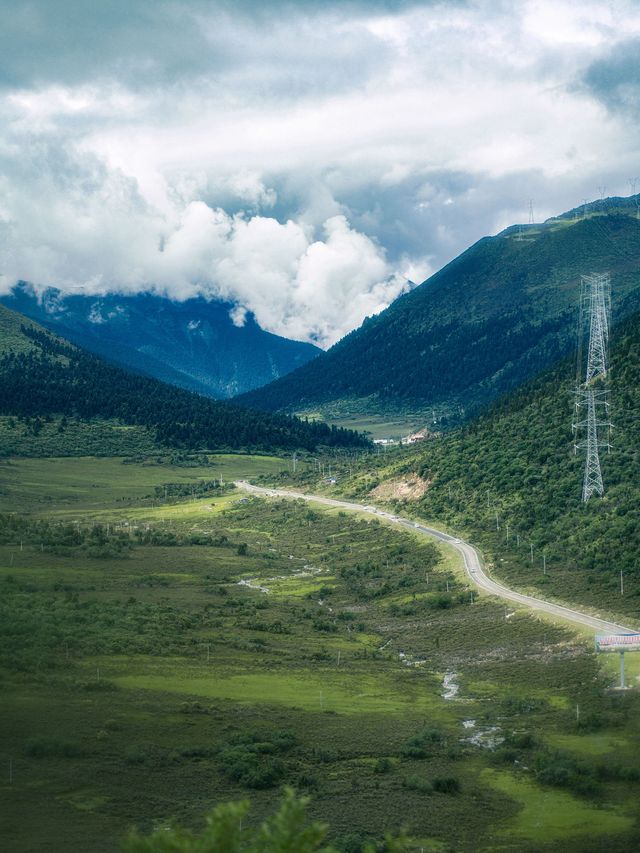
x=193 y=344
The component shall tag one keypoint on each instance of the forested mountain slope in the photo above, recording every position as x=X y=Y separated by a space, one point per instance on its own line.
x=193 y=344
x=43 y=376
x=511 y=482
x=489 y=320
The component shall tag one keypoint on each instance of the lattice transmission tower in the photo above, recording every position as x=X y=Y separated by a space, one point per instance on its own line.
x=592 y=392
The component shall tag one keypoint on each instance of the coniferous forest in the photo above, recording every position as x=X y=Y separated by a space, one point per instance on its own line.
x=53 y=377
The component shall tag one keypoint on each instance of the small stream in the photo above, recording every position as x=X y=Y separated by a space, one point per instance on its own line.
x=305 y=572
x=450 y=686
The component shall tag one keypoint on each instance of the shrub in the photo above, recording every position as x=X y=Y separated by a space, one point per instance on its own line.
x=287 y=830
x=416 y=783
x=446 y=785
x=253 y=760
x=523 y=740
x=417 y=745
x=136 y=755
x=51 y=747
x=383 y=765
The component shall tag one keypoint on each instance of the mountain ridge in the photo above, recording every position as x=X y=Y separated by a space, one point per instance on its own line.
x=510 y=482
x=484 y=323
x=192 y=344
x=43 y=376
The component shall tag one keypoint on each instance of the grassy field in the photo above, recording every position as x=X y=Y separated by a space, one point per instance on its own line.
x=377 y=426
x=83 y=483
x=160 y=654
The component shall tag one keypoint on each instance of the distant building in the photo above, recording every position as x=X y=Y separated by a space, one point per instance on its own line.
x=414 y=437
x=421 y=435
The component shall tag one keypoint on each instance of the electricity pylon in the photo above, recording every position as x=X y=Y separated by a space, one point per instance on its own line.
x=596 y=304
x=594 y=401
x=591 y=389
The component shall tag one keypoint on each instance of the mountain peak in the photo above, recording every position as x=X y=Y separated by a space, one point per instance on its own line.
x=196 y=344
x=497 y=314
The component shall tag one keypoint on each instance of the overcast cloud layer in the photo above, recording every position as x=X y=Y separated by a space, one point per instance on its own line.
x=301 y=160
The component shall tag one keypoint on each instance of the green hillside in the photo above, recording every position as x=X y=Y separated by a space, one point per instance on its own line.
x=12 y=333
x=48 y=387
x=517 y=463
x=485 y=323
x=510 y=480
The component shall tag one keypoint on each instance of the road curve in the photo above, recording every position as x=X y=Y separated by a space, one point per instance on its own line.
x=470 y=557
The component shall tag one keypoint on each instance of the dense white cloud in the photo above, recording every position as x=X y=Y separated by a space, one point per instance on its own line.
x=299 y=160
x=296 y=286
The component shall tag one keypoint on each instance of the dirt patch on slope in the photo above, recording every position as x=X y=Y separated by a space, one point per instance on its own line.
x=401 y=488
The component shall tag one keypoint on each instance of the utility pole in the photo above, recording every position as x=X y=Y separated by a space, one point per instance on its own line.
x=531 y=219
x=621 y=583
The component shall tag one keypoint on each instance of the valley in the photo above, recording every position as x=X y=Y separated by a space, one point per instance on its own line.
x=202 y=604
x=192 y=344
x=470 y=559
x=320 y=427
x=491 y=319
x=169 y=642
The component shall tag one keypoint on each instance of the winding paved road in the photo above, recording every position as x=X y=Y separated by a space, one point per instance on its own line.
x=470 y=557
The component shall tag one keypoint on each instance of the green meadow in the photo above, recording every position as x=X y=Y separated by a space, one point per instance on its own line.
x=375 y=425
x=169 y=642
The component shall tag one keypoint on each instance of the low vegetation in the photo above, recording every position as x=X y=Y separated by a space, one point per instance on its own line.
x=164 y=654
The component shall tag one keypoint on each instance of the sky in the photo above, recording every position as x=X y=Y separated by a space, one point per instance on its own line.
x=304 y=161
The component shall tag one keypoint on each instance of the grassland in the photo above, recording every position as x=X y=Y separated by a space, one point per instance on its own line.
x=160 y=654
x=84 y=484
x=376 y=426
